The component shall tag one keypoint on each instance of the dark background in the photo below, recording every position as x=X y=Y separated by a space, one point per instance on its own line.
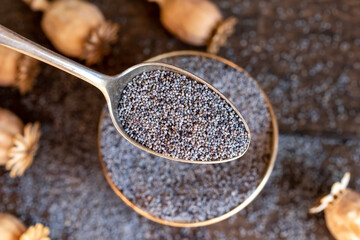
x=304 y=54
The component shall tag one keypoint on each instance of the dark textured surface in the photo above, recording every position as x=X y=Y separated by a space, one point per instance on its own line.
x=305 y=54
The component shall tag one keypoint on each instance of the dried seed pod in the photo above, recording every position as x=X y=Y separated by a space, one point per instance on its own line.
x=10 y=227
x=77 y=28
x=13 y=229
x=196 y=22
x=342 y=210
x=18 y=144
x=17 y=70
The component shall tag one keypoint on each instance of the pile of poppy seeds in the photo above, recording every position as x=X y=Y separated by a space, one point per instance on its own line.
x=175 y=115
x=182 y=192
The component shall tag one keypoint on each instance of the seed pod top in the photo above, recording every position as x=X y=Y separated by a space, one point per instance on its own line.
x=17 y=70
x=13 y=229
x=76 y=28
x=196 y=22
x=342 y=210
x=37 y=232
x=18 y=144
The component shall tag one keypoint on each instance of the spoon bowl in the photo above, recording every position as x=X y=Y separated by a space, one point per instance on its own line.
x=111 y=86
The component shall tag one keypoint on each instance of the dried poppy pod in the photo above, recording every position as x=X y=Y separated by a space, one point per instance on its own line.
x=18 y=144
x=196 y=22
x=12 y=228
x=342 y=210
x=76 y=28
x=17 y=70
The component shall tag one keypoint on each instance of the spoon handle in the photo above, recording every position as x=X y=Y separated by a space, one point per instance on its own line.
x=18 y=43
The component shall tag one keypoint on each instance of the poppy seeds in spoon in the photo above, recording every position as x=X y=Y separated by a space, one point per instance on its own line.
x=177 y=116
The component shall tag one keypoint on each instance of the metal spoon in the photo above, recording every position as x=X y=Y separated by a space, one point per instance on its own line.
x=111 y=86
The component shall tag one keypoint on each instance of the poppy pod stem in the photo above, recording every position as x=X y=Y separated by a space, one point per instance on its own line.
x=160 y=2
x=38 y=5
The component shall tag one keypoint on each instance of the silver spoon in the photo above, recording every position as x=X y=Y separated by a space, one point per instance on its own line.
x=111 y=86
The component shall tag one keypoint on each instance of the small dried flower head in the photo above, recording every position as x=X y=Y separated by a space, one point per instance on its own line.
x=342 y=211
x=336 y=189
x=28 y=69
x=99 y=42
x=222 y=32
x=18 y=144
x=23 y=152
x=37 y=232
x=17 y=70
